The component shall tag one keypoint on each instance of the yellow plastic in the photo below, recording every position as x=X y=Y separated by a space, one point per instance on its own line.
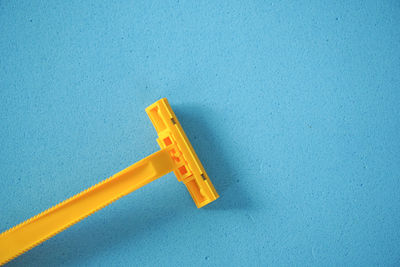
x=176 y=155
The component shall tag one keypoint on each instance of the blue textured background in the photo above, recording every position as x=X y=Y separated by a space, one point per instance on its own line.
x=292 y=107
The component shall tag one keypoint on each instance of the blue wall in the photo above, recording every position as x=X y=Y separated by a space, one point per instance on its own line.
x=293 y=109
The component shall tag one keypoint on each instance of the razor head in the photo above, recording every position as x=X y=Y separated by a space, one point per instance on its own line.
x=188 y=168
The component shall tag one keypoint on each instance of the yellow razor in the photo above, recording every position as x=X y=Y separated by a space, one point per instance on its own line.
x=176 y=154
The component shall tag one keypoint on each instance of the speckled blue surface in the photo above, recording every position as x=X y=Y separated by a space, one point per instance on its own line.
x=293 y=108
